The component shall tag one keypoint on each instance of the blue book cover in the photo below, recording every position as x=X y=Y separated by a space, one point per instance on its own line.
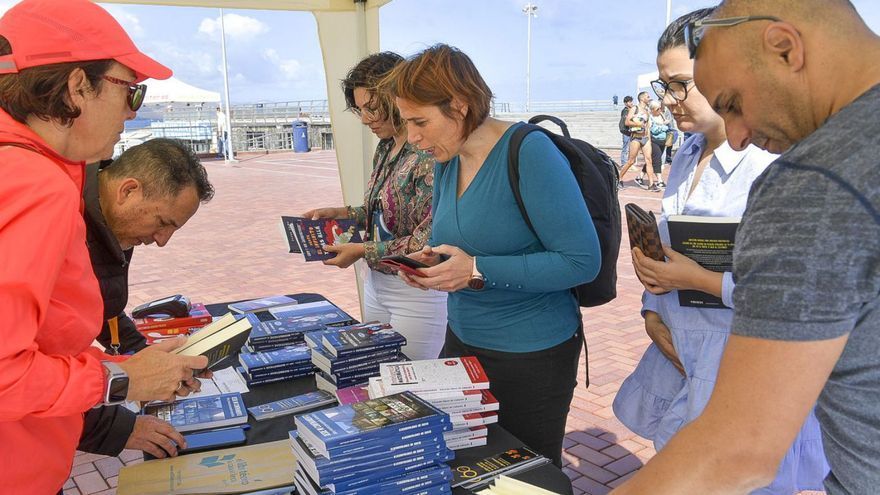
x=389 y=474
x=315 y=338
x=312 y=314
x=202 y=413
x=373 y=419
x=391 y=467
x=285 y=357
x=283 y=329
x=292 y=405
x=351 y=341
x=331 y=364
x=275 y=377
x=255 y=305
x=299 y=369
x=308 y=236
x=415 y=483
x=272 y=345
x=325 y=470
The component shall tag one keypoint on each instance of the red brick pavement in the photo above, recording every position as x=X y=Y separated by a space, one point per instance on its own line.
x=233 y=248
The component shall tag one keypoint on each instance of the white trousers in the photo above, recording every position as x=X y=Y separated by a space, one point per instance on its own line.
x=418 y=315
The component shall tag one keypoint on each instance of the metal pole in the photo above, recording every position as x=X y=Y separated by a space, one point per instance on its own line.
x=668 y=11
x=227 y=150
x=530 y=10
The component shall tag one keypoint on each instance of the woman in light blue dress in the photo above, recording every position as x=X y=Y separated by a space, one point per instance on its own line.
x=674 y=379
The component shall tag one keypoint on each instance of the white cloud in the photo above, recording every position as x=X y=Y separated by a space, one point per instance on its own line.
x=237 y=27
x=130 y=22
x=604 y=72
x=290 y=68
x=187 y=61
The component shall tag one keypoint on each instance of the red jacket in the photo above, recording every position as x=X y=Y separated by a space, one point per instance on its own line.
x=50 y=309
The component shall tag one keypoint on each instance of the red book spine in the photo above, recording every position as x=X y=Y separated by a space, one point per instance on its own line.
x=198 y=317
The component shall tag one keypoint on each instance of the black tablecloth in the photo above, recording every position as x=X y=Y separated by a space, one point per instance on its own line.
x=548 y=477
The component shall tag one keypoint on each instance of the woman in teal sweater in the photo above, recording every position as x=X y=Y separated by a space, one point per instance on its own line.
x=510 y=301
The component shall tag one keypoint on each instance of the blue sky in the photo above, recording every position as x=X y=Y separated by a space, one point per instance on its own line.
x=581 y=49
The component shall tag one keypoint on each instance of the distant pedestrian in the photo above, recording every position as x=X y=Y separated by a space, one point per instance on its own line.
x=624 y=130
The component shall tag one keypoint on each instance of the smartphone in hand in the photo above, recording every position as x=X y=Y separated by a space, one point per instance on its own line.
x=404 y=264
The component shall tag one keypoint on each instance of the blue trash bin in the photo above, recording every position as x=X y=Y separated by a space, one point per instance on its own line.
x=300 y=136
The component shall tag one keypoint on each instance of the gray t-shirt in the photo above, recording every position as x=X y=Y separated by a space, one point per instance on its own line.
x=807 y=267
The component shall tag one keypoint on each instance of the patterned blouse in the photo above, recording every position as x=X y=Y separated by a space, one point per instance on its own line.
x=401 y=188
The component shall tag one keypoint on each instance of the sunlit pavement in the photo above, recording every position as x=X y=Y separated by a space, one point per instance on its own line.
x=233 y=248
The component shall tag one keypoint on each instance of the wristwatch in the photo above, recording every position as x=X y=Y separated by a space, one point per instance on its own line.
x=477 y=281
x=116 y=390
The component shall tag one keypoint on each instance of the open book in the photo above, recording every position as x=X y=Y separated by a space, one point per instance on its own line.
x=219 y=339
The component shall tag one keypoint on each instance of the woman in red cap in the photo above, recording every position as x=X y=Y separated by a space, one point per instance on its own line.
x=68 y=83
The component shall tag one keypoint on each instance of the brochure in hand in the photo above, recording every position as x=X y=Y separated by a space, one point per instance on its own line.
x=202 y=413
x=308 y=236
x=709 y=241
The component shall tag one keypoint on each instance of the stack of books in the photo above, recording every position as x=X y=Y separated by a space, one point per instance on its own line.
x=286 y=363
x=457 y=386
x=349 y=356
x=284 y=325
x=392 y=445
x=156 y=329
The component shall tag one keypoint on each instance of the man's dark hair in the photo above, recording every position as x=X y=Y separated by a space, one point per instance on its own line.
x=41 y=91
x=627 y=99
x=673 y=35
x=163 y=167
x=642 y=93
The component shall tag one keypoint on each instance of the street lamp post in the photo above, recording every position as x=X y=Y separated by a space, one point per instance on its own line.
x=227 y=148
x=530 y=10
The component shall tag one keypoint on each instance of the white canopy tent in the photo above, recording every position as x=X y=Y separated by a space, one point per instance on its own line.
x=348 y=31
x=174 y=90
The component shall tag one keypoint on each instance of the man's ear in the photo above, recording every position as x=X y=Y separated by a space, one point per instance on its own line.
x=783 y=42
x=128 y=189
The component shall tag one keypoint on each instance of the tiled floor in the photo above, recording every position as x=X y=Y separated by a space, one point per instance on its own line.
x=233 y=248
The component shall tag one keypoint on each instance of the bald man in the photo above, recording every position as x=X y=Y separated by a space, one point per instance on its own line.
x=799 y=77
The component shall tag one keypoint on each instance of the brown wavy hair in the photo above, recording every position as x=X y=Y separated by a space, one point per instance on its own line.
x=367 y=74
x=437 y=75
x=42 y=91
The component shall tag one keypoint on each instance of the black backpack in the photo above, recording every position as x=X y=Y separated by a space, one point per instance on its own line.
x=597 y=177
x=624 y=129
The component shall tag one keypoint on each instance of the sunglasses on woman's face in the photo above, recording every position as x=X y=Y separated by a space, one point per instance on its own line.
x=136 y=92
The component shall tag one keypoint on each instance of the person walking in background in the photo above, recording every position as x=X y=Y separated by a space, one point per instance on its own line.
x=638 y=120
x=69 y=79
x=162 y=176
x=791 y=77
x=660 y=131
x=510 y=298
x=624 y=129
x=675 y=377
x=396 y=214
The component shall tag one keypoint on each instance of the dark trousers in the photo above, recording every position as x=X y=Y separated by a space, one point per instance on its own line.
x=657 y=149
x=534 y=389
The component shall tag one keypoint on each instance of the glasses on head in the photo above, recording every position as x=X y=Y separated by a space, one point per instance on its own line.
x=678 y=90
x=136 y=92
x=693 y=31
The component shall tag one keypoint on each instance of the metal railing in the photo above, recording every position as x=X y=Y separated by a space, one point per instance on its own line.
x=554 y=106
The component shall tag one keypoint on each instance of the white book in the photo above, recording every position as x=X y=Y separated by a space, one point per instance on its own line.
x=434 y=375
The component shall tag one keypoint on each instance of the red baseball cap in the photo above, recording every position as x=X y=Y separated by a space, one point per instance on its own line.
x=44 y=32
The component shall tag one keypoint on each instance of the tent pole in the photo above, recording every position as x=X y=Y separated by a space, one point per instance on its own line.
x=227 y=149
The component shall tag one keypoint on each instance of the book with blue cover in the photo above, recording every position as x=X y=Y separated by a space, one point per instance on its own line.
x=432 y=480
x=347 y=342
x=325 y=471
x=286 y=357
x=308 y=236
x=331 y=364
x=275 y=375
x=332 y=429
x=261 y=304
x=314 y=313
x=202 y=413
x=393 y=471
x=292 y=405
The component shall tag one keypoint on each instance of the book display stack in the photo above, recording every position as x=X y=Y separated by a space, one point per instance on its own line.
x=292 y=405
x=285 y=325
x=286 y=363
x=156 y=329
x=457 y=386
x=349 y=356
x=389 y=446
x=201 y=413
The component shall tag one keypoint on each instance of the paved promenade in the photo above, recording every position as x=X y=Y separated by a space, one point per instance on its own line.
x=233 y=248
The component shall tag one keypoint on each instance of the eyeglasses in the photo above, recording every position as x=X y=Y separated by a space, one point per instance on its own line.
x=136 y=92
x=678 y=90
x=693 y=31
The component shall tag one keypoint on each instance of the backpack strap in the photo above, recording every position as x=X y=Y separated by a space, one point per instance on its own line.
x=513 y=175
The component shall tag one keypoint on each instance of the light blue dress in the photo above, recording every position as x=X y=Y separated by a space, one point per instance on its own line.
x=655 y=401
